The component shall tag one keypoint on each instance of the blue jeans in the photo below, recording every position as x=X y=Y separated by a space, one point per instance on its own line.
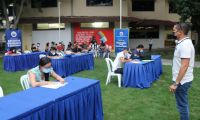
x=181 y=95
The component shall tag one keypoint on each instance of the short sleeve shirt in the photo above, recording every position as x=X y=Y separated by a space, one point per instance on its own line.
x=184 y=49
x=117 y=63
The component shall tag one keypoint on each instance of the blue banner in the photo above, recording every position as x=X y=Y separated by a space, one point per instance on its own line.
x=13 y=38
x=121 y=39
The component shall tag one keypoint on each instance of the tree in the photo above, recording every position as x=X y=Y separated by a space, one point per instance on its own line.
x=17 y=5
x=190 y=10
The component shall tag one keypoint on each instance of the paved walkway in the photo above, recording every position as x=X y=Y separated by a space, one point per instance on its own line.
x=169 y=62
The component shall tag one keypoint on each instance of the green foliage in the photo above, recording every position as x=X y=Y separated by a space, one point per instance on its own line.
x=190 y=10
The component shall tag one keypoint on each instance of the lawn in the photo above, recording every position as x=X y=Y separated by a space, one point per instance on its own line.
x=155 y=103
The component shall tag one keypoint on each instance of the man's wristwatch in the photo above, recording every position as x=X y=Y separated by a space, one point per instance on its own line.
x=175 y=84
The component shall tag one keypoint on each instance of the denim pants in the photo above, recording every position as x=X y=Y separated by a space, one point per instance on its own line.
x=181 y=95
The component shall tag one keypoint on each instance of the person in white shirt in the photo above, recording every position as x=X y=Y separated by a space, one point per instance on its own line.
x=121 y=58
x=182 y=69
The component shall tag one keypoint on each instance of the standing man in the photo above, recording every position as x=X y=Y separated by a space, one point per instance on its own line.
x=150 y=44
x=182 y=69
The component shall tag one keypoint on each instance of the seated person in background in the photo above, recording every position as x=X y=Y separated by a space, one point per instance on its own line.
x=38 y=47
x=93 y=47
x=60 y=53
x=47 y=47
x=34 y=48
x=121 y=57
x=107 y=51
x=60 y=46
x=76 y=48
x=37 y=74
x=12 y=51
x=69 y=46
x=138 y=52
x=52 y=53
x=84 y=46
x=53 y=44
x=19 y=51
x=102 y=49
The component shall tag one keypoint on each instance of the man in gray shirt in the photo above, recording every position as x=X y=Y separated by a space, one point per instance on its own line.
x=182 y=69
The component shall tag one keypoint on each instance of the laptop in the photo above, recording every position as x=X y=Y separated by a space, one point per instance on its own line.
x=146 y=56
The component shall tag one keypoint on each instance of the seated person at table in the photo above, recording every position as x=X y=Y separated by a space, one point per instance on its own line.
x=12 y=51
x=52 y=53
x=138 y=52
x=34 y=48
x=121 y=58
x=40 y=73
x=60 y=53
x=60 y=46
x=69 y=46
x=76 y=48
x=84 y=46
x=47 y=47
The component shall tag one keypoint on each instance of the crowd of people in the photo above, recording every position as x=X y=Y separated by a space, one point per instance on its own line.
x=59 y=49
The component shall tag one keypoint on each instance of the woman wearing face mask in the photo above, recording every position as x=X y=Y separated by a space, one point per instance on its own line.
x=37 y=74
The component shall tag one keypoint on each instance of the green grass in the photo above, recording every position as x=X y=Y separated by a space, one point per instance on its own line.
x=168 y=53
x=155 y=103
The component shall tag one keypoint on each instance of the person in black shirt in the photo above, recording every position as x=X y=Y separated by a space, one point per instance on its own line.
x=76 y=48
x=52 y=53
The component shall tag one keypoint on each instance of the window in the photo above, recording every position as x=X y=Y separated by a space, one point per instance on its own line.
x=99 y=2
x=48 y=26
x=172 y=7
x=144 y=32
x=43 y=3
x=97 y=25
x=143 y=5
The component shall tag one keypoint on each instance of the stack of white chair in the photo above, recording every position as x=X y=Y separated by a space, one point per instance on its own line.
x=1 y=92
x=25 y=82
x=111 y=72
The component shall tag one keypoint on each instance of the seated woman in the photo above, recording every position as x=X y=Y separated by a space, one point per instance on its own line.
x=41 y=72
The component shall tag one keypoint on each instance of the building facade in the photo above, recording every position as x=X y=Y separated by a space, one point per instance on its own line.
x=83 y=19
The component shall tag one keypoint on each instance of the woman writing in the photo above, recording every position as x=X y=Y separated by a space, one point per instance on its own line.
x=37 y=74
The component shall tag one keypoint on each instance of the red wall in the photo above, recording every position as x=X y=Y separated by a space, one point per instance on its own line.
x=80 y=35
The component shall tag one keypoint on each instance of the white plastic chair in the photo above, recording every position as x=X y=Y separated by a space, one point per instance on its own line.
x=25 y=82
x=111 y=72
x=1 y=92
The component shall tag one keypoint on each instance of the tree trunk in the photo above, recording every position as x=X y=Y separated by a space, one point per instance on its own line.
x=198 y=44
x=19 y=14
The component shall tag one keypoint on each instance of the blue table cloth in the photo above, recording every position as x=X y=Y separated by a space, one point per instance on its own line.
x=141 y=75
x=21 y=62
x=71 y=64
x=80 y=99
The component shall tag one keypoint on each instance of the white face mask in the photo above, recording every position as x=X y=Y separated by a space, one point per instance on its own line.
x=141 y=50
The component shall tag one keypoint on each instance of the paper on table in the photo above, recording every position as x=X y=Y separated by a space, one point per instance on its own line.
x=55 y=85
x=147 y=60
x=134 y=61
